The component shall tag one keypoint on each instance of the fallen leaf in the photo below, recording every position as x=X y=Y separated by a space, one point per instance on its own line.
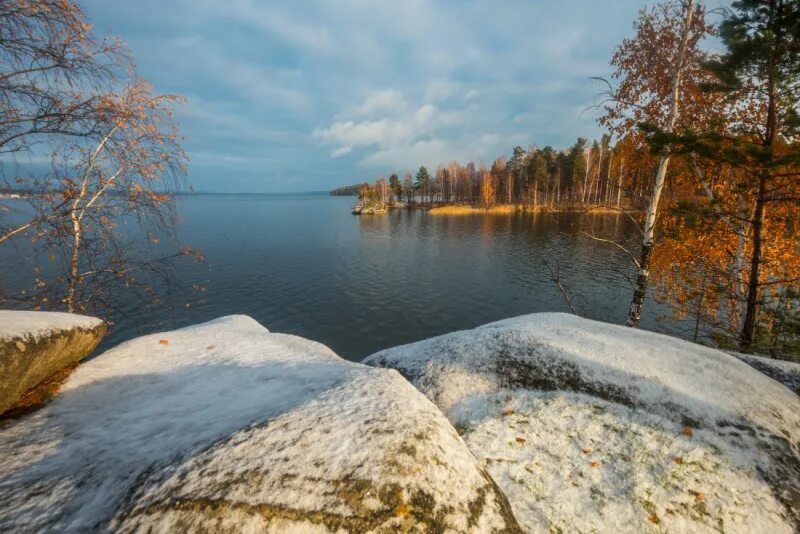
x=520 y=440
x=211 y=347
x=594 y=464
x=163 y=341
x=699 y=496
x=21 y=346
x=507 y=412
x=678 y=460
x=687 y=431
x=587 y=451
x=401 y=510
x=653 y=518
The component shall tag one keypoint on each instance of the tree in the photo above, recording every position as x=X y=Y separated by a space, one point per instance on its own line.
x=517 y=168
x=395 y=186
x=117 y=158
x=54 y=74
x=423 y=182
x=759 y=70
x=537 y=174
x=488 y=188
x=577 y=162
x=408 y=187
x=645 y=93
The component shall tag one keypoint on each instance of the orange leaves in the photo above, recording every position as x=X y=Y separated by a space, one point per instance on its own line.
x=687 y=431
x=163 y=342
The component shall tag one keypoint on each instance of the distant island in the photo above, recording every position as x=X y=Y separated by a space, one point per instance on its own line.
x=347 y=190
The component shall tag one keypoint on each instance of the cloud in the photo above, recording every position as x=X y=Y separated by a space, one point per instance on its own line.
x=287 y=89
x=472 y=94
x=342 y=151
x=386 y=100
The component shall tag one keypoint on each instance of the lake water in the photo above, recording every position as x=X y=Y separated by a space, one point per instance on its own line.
x=303 y=264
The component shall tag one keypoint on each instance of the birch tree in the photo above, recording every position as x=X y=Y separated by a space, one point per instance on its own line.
x=101 y=211
x=635 y=313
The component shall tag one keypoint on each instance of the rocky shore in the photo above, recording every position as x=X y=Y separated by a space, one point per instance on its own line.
x=541 y=423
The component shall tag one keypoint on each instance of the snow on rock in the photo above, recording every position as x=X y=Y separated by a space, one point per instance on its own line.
x=588 y=426
x=227 y=427
x=787 y=373
x=33 y=324
x=35 y=346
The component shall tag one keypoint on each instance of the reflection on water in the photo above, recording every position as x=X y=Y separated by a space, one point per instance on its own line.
x=305 y=265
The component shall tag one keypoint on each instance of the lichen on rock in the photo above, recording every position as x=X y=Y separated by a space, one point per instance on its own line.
x=36 y=346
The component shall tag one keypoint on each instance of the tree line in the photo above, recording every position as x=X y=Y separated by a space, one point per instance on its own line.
x=585 y=174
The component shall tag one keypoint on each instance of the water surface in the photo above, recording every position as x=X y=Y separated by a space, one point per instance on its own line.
x=303 y=264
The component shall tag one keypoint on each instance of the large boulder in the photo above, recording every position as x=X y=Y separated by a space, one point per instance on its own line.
x=225 y=427
x=591 y=427
x=787 y=373
x=35 y=346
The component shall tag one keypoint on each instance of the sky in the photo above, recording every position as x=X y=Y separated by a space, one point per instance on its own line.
x=293 y=96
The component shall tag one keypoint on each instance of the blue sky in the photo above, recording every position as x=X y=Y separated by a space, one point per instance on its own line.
x=309 y=95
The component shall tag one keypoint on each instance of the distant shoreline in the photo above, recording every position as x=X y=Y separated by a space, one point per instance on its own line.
x=497 y=209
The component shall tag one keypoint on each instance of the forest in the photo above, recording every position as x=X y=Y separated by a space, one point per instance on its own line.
x=701 y=152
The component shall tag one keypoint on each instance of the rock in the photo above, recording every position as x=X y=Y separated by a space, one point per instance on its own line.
x=588 y=426
x=229 y=428
x=35 y=346
x=363 y=207
x=787 y=373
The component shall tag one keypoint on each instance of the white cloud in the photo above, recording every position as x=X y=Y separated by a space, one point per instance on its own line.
x=342 y=151
x=386 y=100
x=386 y=80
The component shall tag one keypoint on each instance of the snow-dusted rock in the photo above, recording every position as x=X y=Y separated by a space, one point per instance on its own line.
x=787 y=373
x=34 y=346
x=227 y=427
x=591 y=427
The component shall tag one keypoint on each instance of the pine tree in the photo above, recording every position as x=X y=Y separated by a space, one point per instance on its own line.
x=762 y=38
x=423 y=183
x=760 y=70
x=396 y=187
x=577 y=162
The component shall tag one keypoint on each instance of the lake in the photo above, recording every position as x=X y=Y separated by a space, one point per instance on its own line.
x=303 y=264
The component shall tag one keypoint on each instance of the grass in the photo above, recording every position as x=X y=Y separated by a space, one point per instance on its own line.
x=499 y=209
x=505 y=209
